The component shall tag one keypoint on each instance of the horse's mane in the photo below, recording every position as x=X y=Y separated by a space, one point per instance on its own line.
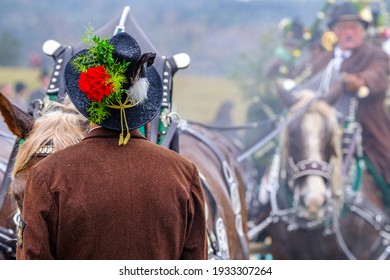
x=59 y=123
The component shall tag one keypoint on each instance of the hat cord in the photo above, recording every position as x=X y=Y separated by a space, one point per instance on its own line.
x=122 y=106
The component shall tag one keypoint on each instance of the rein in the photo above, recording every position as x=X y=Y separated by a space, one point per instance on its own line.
x=9 y=138
x=352 y=146
x=379 y=179
x=364 y=209
x=217 y=242
x=324 y=87
x=369 y=213
x=252 y=125
x=7 y=243
x=7 y=236
x=7 y=175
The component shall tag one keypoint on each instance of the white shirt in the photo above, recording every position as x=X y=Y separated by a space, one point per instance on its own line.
x=339 y=56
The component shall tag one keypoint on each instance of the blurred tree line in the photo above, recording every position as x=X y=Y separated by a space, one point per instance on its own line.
x=211 y=32
x=251 y=75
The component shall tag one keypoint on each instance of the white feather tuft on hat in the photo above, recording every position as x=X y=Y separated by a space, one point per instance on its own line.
x=139 y=91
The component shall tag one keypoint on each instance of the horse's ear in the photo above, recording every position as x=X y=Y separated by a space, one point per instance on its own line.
x=18 y=121
x=287 y=97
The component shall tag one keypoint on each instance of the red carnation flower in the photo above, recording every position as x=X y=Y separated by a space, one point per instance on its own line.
x=95 y=83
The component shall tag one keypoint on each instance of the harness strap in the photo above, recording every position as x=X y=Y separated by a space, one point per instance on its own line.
x=310 y=167
x=379 y=179
x=56 y=89
x=359 y=174
x=7 y=174
x=153 y=133
x=210 y=145
x=214 y=250
x=7 y=242
x=226 y=177
x=8 y=137
x=369 y=213
x=171 y=137
x=3 y=166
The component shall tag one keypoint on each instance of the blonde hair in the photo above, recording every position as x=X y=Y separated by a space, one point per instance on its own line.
x=59 y=123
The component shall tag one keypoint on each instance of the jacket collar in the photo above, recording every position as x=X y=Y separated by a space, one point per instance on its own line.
x=109 y=133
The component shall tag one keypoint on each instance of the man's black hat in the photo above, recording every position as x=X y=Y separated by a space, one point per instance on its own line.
x=126 y=49
x=345 y=11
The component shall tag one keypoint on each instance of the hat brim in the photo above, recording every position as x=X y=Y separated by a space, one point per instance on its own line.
x=136 y=116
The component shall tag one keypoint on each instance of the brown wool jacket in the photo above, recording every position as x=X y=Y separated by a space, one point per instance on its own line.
x=372 y=64
x=98 y=200
x=372 y=113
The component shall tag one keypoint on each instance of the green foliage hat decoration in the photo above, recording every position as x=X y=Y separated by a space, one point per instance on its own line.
x=113 y=84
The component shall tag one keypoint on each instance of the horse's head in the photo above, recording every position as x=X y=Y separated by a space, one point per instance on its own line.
x=311 y=157
x=59 y=126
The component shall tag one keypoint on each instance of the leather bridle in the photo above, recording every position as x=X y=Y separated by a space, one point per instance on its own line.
x=310 y=167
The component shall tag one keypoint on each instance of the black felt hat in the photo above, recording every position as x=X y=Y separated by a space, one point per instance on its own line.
x=126 y=49
x=345 y=11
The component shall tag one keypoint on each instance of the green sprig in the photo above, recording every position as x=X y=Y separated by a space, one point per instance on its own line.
x=100 y=53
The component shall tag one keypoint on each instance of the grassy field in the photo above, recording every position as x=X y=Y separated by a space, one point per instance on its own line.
x=27 y=75
x=195 y=98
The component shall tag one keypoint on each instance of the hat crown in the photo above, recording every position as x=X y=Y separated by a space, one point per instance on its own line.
x=126 y=49
x=291 y=28
x=102 y=80
x=344 y=11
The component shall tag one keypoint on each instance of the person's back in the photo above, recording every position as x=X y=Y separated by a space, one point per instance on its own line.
x=117 y=202
x=109 y=199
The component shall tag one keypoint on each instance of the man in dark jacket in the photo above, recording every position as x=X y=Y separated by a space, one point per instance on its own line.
x=364 y=72
x=101 y=200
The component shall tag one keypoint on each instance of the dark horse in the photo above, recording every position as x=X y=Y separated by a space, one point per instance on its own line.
x=316 y=211
x=62 y=127
x=223 y=180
